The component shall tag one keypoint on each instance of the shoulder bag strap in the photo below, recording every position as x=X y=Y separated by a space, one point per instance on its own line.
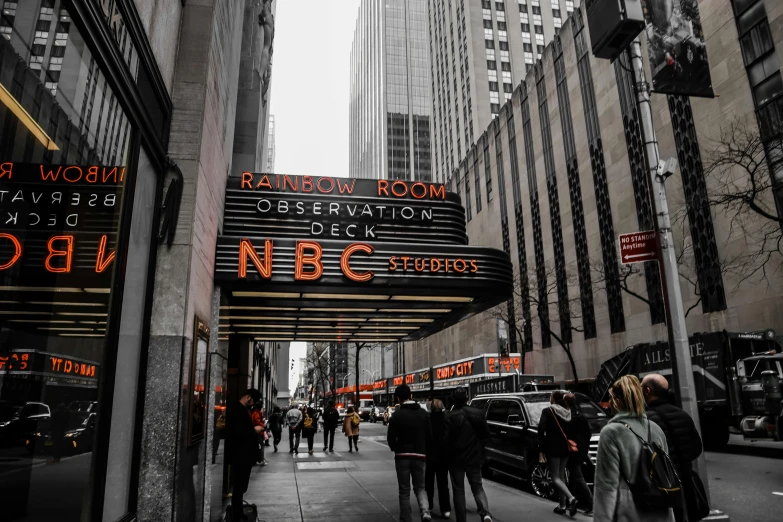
x=558 y=424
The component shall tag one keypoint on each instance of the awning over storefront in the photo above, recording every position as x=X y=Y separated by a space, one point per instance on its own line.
x=326 y=259
x=417 y=381
x=474 y=369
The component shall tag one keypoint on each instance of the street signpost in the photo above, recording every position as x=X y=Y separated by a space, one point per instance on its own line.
x=638 y=247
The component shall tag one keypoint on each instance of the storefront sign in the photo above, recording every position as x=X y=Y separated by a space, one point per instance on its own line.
x=58 y=220
x=475 y=369
x=417 y=381
x=380 y=386
x=54 y=368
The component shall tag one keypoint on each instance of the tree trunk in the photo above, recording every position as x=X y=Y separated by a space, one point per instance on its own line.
x=567 y=350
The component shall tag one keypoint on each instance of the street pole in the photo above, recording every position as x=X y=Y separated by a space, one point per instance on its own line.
x=682 y=370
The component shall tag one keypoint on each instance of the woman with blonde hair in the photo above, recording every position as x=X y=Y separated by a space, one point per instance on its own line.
x=618 y=456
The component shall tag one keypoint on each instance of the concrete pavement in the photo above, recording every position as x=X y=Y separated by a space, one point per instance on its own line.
x=357 y=487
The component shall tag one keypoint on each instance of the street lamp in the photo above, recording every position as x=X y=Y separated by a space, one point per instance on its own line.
x=372 y=374
x=345 y=378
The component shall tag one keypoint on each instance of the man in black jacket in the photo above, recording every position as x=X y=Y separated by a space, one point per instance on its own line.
x=466 y=432
x=682 y=436
x=331 y=420
x=408 y=436
x=241 y=447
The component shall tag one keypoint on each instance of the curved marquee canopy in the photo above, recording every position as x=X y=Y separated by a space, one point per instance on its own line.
x=325 y=259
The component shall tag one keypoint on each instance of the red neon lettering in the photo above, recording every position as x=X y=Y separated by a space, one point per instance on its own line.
x=106 y=175
x=264 y=183
x=362 y=277
x=92 y=175
x=343 y=187
x=421 y=194
x=264 y=267
x=53 y=252
x=383 y=187
x=437 y=192
x=52 y=175
x=293 y=183
x=402 y=184
x=313 y=260
x=17 y=251
x=72 y=179
x=247 y=181
x=307 y=184
x=102 y=261
x=323 y=190
x=8 y=167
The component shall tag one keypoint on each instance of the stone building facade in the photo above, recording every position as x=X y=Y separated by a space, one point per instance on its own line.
x=560 y=173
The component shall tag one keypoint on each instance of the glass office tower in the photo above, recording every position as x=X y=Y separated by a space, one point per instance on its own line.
x=390 y=92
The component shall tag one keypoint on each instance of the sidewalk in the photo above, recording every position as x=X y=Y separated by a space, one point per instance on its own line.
x=357 y=487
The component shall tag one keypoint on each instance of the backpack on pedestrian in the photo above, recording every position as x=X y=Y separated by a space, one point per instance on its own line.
x=355 y=419
x=656 y=486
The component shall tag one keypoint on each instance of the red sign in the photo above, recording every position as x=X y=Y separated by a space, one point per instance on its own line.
x=638 y=247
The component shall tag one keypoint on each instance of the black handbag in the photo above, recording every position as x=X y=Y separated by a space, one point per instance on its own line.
x=696 y=504
x=696 y=499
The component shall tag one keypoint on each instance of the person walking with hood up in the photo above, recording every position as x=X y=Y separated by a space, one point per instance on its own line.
x=553 y=442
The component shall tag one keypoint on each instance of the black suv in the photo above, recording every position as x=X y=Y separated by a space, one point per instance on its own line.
x=18 y=421
x=513 y=425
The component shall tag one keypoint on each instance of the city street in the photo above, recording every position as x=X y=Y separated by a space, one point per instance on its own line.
x=354 y=486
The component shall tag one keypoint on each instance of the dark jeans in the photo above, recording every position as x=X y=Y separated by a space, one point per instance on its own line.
x=277 y=435
x=473 y=475
x=577 y=482
x=442 y=475
x=294 y=433
x=329 y=436
x=309 y=435
x=240 y=470
x=353 y=442
x=407 y=471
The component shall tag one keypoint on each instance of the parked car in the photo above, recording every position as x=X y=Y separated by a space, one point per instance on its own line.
x=375 y=414
x=513 y=425
x=365 y=409
x=80 y=410
x=18 y=421
x=78 y=440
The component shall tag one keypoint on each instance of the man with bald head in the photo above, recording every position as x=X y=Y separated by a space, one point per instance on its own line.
x=681 y=434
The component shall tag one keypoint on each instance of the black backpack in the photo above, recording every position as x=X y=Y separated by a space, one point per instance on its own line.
x=656 y=486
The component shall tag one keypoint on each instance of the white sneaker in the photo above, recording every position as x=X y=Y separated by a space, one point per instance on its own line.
x=447 y=514
x=486 y=518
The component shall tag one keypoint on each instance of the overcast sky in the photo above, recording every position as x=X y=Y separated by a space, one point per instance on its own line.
x=310 y=85
x=310 y=93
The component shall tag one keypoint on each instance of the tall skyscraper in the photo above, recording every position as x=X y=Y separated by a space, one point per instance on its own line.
x=390 y=91
x=480 y=52
x=270 y=145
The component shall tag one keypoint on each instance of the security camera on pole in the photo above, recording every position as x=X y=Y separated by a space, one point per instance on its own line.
x=614 y=27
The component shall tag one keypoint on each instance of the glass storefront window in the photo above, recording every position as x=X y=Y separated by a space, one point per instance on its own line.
x=64 y=152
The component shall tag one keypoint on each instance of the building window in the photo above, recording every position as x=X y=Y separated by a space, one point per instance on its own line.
x=500 y=6
x=487 y=172
x=506 y=66
x=489 y=34
x=493 y=86
x=492 y=65
x=501 y=26
x=525 y=28
x=527 y=47
x=536 y=10
x=503 y=46
x=508 y=88
x=489 y=44
x=556 y=13
x=487 y=24
x=538 y=29
x=494 y=108
x=540 y=49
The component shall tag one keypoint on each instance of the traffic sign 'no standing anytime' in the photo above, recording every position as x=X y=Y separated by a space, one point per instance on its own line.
x=638 y=247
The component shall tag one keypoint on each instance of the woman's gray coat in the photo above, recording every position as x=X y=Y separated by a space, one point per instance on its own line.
x=617 y=461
